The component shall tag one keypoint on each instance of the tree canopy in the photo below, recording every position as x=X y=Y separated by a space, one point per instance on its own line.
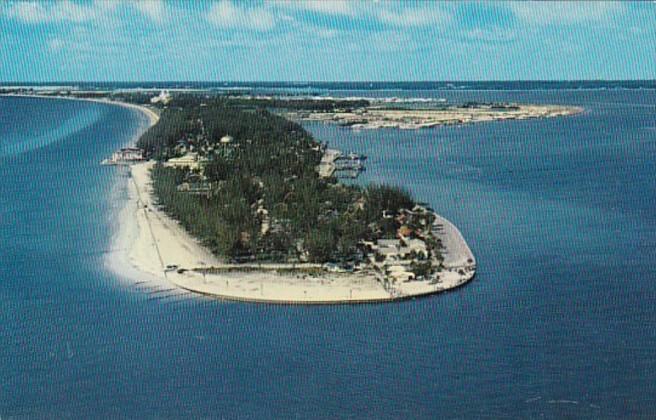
x=264 y=199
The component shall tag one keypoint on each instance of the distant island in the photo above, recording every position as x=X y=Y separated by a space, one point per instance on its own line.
x=231 y=197
x=386 y=116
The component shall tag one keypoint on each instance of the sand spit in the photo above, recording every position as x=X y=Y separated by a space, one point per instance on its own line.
x=153 y=241
x=374 y=118
x=147 y=241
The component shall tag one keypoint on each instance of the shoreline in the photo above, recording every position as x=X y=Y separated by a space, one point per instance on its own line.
x=374 y=118
x=155 y=241
x=125 y=236
x=152 y=115
x=147 y=240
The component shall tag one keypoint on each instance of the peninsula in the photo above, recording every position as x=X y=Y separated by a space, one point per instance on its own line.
x=385 y=116
x=232 y=203
x=230 y=197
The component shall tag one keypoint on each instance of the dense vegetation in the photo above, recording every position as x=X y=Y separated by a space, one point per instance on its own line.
x=262 y=197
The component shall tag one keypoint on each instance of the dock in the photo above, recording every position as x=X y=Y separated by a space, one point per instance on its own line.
x=125 y=156
x=335 y=163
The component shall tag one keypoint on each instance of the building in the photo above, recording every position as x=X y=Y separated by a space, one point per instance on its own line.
x=125 y=156
x=190 y=160
x=400 y=273
x=417 y=246
x=129 y=154
x=196 y=188
x=164 y=98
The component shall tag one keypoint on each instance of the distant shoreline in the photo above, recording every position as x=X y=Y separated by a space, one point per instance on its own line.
x=376 y=117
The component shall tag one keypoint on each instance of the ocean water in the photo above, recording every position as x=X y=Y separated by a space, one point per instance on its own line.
x=558 y=322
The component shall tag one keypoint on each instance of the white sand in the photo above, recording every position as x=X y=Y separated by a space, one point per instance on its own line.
x=375 y=118
x=147 y=241
x=152 y=240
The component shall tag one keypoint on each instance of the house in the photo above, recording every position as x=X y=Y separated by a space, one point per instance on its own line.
x=196 y=188
x=190 y=160
x=404 y=231
x=388 y=249
x=417 y=246
x=125 y=156
x=128 y=154
x=387 y=243
x=399 y=273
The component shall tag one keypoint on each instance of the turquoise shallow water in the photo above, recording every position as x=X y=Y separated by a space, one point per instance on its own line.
x=558 y=321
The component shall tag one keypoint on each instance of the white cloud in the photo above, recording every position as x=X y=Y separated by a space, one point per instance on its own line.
x=390 y=13
x=225 y=14
x=494 y=34
x=56 y=44
x=155 y=10
x=421 y=16
x=330 y=7
x=27 y=12
x=566 y=13
x=390 y=41
x=35 y=12
x=83 y=42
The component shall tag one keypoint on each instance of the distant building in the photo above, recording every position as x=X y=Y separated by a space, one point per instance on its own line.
x=197 y=188
x=125 y=156
x=164 y=98
x=129 y=153
x=226 y=140
x=190 y=160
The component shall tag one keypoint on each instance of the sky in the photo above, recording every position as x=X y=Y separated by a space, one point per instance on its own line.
x=328 y=40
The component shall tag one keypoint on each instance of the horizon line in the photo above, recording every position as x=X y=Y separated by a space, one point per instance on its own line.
x=328 y=81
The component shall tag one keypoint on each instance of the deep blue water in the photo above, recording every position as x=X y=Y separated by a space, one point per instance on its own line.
x=558 y=322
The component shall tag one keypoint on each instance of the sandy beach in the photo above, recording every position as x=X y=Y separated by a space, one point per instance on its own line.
x=149 y=241
x=146 y=241
x=409 y=119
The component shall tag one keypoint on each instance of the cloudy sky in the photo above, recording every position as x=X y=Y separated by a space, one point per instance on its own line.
x=327 y=40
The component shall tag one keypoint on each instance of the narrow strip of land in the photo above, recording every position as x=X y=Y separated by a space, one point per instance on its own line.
x=151 y=244
x=382 y=117
x=160 y=242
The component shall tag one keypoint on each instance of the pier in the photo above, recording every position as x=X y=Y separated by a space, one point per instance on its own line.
x=125 y=156
x=335 y=163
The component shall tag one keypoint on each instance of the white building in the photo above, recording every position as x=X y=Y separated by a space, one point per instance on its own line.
x=164 y=97
x=190 y=160
x=128 y=154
